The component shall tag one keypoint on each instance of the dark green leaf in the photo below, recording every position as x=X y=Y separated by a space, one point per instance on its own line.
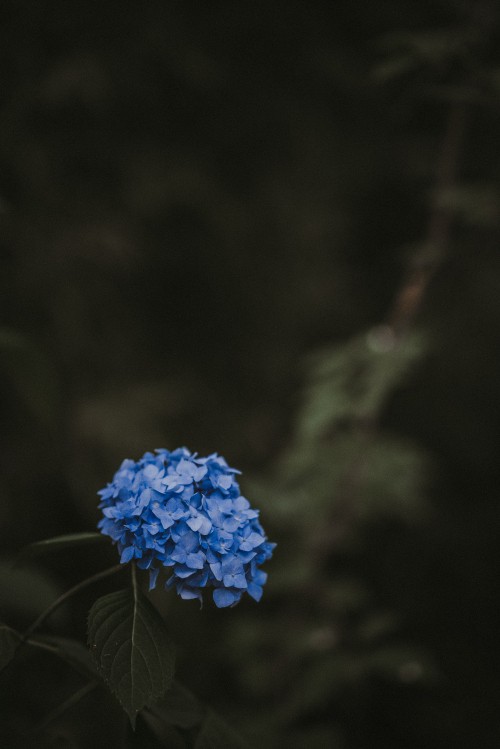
x=9 y=640
x=24 y=594
x=32 y=375
x=216 y=734
x=131 y=648
x=59 y=542
x=351 y=383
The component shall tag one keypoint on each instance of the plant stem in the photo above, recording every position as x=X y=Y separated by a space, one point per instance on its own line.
x=134 y=578
x=431 y=255
x=42 y=646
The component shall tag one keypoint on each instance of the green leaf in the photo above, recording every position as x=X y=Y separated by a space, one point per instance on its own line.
x=32 y=375
x=24 y=594
x=131 y=648
x=216 y=734
x=59 y=542
x=351 y=383
x=9 y=641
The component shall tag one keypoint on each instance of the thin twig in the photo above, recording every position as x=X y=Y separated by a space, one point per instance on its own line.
x=406 y=305
x=435 y=247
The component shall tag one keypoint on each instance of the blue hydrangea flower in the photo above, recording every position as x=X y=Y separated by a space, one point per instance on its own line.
x=185 y=513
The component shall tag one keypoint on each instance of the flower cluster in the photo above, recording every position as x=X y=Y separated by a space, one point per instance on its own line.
x=177 y=510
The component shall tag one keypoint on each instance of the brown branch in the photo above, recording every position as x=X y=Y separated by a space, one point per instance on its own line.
x=434 y=250
x=406 y=305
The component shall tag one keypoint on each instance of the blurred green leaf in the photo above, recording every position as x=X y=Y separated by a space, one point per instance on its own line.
x=25 y=593
x=132 y=649
x=407 y=52
x=476 y=205
x=407 y=665
x=59 y=542
x=32 y=376
x=9 y=640
x=393 y=68
x=353 y=381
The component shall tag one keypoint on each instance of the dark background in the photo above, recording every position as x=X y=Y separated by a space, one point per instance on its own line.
x=195 y=199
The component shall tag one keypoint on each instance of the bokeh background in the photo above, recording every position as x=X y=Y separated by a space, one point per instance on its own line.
x=269 y=229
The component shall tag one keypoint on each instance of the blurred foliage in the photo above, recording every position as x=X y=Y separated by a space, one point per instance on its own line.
x=340 y=479
x=24 y=594
x=31 y=378
x=206 y=213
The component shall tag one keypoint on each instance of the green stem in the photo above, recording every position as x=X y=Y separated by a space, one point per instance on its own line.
x=42 y=646
x=134 y=579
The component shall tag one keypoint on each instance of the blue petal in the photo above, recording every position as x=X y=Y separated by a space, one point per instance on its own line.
x=195 y=522
x=230 y=524
x=188 y=594
x=182 y=571
x=240 y=581
x=153 y=577
x=216 y=570
x=255 y=591
x=127 y=555
x=224 y=597
x=224 y=481
x=231 y=565
x=196 y=561
x=175 y=509
x=206 y=526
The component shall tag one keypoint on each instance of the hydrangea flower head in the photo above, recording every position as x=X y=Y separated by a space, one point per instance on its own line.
x=185 y=513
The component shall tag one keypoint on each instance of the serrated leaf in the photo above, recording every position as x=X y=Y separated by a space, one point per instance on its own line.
x=9 y=641
x=131 y=648
x=216 y=734
x=59 y=542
